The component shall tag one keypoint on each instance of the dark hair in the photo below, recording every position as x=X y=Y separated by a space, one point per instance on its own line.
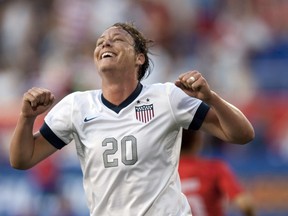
x=141 y=46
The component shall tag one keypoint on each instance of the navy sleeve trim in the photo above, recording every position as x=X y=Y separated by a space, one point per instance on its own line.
x=199 y=116
x=51 y=137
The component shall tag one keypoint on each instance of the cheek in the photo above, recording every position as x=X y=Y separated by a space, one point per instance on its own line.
x=131 y=53
x=96 y=52
x=95 y=55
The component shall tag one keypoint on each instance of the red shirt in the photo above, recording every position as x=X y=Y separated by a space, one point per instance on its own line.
x=207 y=183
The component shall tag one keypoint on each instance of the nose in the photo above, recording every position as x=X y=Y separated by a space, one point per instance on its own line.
x=106 y=42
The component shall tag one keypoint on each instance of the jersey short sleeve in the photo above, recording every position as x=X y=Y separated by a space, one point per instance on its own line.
x=188 y=111
x=57 y=127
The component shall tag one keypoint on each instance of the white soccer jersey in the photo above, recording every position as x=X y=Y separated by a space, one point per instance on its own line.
x=128 y=153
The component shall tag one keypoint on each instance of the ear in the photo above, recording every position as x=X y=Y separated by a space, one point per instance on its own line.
x=140 y=59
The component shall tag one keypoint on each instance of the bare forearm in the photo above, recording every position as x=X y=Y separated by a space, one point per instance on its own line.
x=26 y=148
x=223 y=120
x=232 y=121
x=22 y=143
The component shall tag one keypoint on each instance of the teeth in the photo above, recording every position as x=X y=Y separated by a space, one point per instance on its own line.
x=107 y=54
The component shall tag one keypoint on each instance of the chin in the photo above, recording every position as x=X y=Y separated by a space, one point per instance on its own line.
x=107 y=68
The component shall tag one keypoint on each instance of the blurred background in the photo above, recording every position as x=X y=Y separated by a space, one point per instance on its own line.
x=241 y=47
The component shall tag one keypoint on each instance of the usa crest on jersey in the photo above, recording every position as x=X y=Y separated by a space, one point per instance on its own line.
x=144 y=113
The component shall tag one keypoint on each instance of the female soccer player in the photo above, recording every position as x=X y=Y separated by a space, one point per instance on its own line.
x=125 y=133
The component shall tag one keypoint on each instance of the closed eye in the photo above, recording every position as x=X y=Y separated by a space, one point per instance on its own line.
x=118 y=39
x=99 y=43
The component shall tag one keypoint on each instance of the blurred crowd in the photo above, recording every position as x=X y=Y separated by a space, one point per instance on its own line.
x=241 y=47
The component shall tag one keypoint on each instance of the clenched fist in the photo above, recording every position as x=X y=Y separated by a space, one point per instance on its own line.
x=36 y=101
x=195 y=85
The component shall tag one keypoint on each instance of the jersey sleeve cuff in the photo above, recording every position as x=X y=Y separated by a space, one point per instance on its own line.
x=199 y=116
x=51 y=137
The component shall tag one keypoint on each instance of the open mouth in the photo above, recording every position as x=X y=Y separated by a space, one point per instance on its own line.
x=107 y=55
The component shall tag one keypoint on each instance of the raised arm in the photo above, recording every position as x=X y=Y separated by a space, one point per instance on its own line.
x=223 y=120
x=26 y=148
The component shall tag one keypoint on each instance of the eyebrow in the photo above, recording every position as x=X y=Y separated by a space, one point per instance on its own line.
x=119 y=34
x=114 y=34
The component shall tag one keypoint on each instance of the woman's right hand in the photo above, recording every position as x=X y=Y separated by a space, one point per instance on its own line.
x=36 y=101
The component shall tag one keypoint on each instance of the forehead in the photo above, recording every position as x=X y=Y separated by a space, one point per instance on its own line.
x=114 y=30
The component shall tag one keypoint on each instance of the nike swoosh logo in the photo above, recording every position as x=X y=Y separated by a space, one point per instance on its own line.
x=89 y=119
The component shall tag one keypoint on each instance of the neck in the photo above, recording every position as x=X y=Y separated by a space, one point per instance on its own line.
x=118 y=84
x=117 y=92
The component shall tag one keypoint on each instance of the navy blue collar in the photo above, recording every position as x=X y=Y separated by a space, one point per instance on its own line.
x=126 y=102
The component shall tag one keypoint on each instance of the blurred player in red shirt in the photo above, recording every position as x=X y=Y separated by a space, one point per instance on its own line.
x=209 y=183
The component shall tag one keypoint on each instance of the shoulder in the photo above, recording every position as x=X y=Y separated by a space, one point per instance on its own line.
x=79 y=98
x=82 y=95
x=158 y=85
x=167 y=87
